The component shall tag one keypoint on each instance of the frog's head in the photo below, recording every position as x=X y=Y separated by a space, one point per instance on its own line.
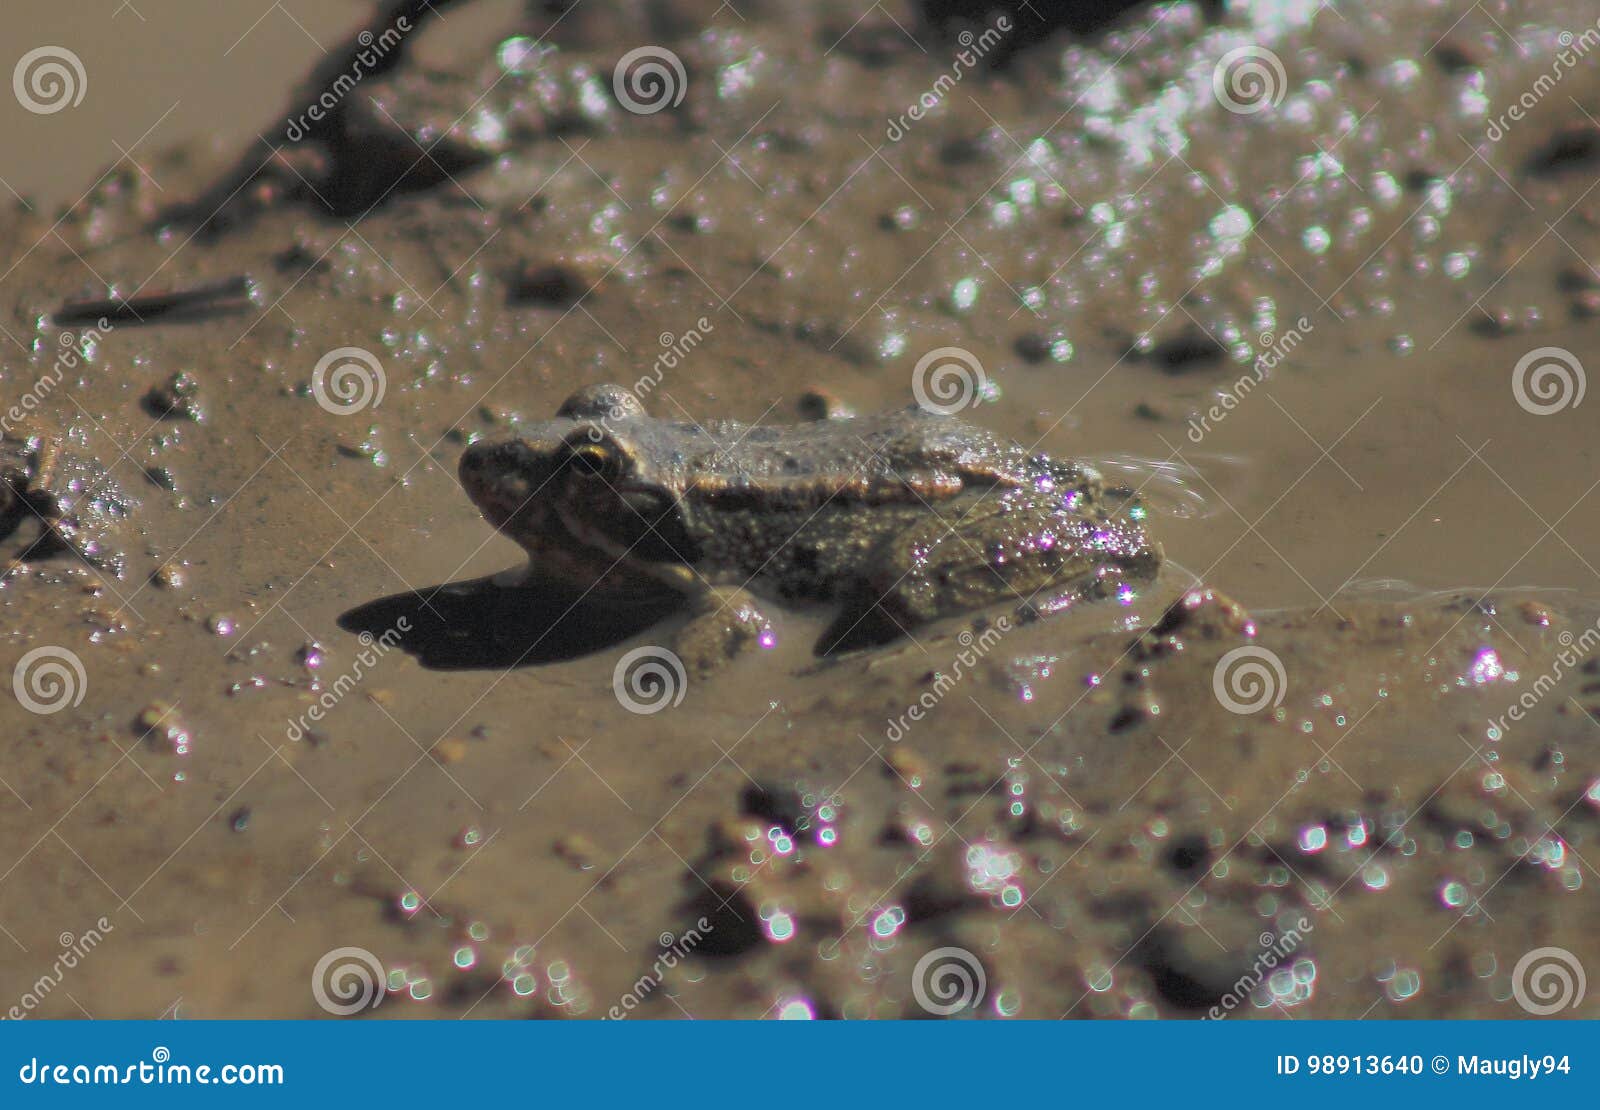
x=581 y=482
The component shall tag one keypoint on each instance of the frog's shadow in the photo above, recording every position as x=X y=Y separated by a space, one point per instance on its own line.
x=479 y=624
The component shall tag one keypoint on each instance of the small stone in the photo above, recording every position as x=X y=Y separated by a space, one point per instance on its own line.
x=1033 y=347
x=907 y=766
x=546 y=286
x=819 y=404
x=175 y=399
x=160 y=724
x=448 y=751
x=578 y=850
x=1535 y=613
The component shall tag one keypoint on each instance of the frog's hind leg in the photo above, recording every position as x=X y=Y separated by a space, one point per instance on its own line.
x=1040 y=550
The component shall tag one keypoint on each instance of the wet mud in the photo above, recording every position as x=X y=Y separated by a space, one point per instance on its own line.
x=275 y=695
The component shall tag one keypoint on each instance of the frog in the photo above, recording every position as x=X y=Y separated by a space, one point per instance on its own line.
x=896 y=519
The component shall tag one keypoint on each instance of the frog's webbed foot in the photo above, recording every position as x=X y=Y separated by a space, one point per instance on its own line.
x=724 y=621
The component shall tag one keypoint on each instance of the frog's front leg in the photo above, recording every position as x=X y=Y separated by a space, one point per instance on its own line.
x=723 y=621
x=1042 y=549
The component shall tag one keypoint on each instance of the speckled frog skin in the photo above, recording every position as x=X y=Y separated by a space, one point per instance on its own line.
x=900 y=518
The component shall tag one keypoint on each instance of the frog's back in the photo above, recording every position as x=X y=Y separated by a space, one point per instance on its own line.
x=877 y=459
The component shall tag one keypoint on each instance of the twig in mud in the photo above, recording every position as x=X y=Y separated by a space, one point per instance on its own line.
x=200 y=302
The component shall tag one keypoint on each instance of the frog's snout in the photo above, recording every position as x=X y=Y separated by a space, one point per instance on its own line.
x=474 y=464
x=502 y=477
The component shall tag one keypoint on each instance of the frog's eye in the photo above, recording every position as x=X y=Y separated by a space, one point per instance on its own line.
x=598 y=460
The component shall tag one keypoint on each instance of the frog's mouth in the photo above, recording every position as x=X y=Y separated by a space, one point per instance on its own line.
x=632 y=542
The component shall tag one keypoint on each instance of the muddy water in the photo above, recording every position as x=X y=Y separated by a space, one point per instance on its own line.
x=307 y=719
